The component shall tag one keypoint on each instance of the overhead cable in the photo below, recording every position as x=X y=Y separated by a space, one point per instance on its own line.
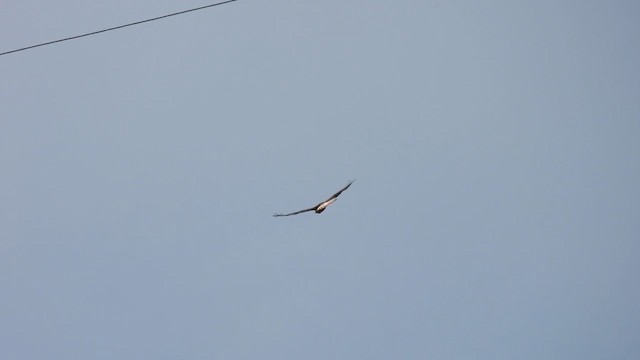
x=117 y=27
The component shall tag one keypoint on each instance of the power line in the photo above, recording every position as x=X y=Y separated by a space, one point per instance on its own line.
x=117 y=27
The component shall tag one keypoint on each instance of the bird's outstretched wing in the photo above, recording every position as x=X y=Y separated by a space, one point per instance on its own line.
x=341 y=190
x=296 y=212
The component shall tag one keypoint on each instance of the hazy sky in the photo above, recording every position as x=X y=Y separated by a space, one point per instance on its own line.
x=495 y=215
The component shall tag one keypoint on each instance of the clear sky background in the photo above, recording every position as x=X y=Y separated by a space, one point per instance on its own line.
x=495 y=215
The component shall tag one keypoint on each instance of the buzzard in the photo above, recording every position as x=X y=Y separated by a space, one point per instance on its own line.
x=323 y=205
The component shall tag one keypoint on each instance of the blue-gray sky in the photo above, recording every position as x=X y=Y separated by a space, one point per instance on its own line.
x=496 y=147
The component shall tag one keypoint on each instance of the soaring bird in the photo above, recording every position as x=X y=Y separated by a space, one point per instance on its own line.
x=323 y=205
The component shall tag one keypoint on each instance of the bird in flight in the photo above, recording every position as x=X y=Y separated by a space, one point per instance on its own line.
x=323 y=205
